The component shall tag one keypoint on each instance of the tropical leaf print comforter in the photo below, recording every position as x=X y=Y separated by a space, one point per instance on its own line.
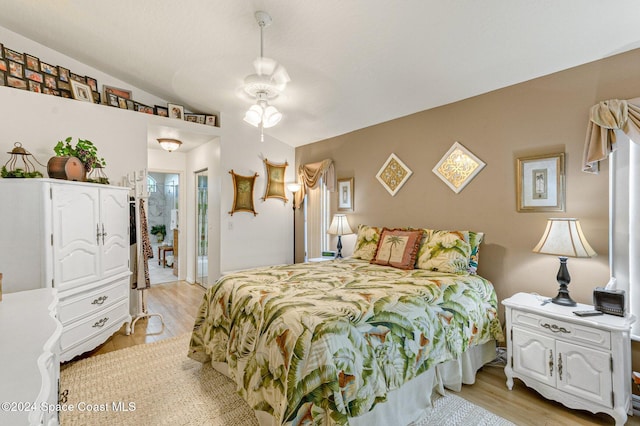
x=317 y=343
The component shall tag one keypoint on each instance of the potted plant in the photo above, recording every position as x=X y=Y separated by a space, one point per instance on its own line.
x=65 y=165
x=159 y=231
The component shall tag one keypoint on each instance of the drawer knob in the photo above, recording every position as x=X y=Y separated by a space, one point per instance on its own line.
x=101 y=323
x=100 y=300
x=554 y=328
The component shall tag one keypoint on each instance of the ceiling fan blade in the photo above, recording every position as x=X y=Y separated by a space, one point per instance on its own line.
x=280 y=75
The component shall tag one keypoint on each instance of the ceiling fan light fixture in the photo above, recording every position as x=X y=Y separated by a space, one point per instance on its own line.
x=271 y=117
x=266 y=84
x=169 y=144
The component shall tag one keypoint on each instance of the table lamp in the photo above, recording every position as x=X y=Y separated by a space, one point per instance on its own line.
x=339 y=226
x=563 y=237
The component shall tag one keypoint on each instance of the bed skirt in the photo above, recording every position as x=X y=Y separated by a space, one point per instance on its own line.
x=407 y=403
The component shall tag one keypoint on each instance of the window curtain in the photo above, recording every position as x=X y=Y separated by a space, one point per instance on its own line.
x=614 y=132
x=309 y=175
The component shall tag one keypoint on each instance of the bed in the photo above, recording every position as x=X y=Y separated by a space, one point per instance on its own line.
x=349 y=341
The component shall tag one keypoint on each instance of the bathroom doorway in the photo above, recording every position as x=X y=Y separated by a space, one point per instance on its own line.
x=202 y=226
x=162 y=219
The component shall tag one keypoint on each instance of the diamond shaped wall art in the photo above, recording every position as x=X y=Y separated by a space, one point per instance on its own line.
x=458 y=167
x=393 y=174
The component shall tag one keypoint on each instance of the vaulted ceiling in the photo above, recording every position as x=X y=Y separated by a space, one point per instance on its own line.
x=352 y=63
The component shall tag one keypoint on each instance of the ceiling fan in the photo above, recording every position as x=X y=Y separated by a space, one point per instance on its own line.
x=269 y=80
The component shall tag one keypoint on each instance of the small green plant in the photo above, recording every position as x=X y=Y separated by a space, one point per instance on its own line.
x=19 y=173
x=84 y=150
x=159 y=231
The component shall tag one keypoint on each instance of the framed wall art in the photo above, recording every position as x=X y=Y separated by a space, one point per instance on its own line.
x=458 y=167
x=540 y=183
x=345 y=195
x=81 y=91
x=176 y=111
x=393 y=174
x=275 y=181
x=243 y=193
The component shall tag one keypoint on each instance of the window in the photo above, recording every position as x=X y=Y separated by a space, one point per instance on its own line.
x=316 y=220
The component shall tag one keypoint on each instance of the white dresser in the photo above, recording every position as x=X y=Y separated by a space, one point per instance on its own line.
x=582 y=362
x=74 y=237
x=29 y=365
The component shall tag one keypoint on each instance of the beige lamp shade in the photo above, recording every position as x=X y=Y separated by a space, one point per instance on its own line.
x=564 y=237
x=339 y=225
x=293 y=187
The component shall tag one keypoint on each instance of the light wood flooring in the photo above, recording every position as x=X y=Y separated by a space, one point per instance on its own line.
x=178 y=303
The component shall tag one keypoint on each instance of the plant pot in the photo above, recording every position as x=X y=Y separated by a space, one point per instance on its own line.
x=68 y=168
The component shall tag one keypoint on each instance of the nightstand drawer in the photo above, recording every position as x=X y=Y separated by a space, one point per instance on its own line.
x=91 y=301
x=576 y=333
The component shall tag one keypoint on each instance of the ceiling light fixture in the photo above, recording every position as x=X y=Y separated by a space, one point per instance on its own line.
x=169 y=144
x=266 y=84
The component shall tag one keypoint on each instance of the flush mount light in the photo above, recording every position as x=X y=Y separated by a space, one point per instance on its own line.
x=169 y=144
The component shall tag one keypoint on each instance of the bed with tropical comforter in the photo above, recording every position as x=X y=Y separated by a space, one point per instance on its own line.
x=324 y=342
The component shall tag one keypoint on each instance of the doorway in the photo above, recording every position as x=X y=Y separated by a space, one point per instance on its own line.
x=162 y=219
x=202 y=227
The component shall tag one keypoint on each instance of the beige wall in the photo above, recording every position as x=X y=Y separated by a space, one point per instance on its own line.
x=541 y=116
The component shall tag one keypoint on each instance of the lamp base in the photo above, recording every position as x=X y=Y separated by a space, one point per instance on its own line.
x=563 y=299
x=339 y=247
x=564 y=279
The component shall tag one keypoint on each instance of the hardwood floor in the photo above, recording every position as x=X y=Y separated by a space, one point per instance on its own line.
x=178 y=303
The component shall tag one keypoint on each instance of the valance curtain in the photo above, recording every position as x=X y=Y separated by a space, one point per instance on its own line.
x=614 y=128
x=604 y=119
x=309 y=175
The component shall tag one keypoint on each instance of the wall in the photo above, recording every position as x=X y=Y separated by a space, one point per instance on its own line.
x=544 y=115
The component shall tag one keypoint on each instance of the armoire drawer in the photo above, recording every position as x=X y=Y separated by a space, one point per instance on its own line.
x=593 y=337
x=91 y=301
x=80 y=331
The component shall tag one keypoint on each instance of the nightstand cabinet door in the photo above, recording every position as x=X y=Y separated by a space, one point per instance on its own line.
x=584 y=372
x=534 y=356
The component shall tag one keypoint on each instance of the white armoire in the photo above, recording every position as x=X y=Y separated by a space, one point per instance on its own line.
x=74 y=237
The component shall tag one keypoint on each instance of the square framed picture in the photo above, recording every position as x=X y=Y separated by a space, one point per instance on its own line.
x=65 y=94
x=345 y=195
x=3 y=65
x=176 y=111
x=92 y=82
x=210 y=120
x=193 y=118
x=64 y=74
x=33 y=76
x=64 y=85
x=96 y=97
x=13 y=55
x=48 y=69
x=81 y=91
x=50 y=82
x=122 y=103
x=16 y=69
x=31 y=62
x=161 y=111
x=16 y=83
x=131 y=105
x=3 y=79
x=112 y=100
x=78 y=78
x=34 y=86
x=540 y=183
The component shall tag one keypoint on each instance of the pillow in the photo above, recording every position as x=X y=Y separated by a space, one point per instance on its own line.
x=475 y=238
x=398 y=248
x=445 y=251
x=366 y=242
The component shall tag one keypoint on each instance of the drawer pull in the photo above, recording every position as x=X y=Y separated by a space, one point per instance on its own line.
x=555 y=328
x=101 y=323
x=100 y=300
x=550 y=363
x=560 y=366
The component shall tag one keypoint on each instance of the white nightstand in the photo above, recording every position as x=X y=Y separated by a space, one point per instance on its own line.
x=581 y=362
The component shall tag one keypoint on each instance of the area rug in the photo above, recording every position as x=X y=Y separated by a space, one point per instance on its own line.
x=156 y=384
